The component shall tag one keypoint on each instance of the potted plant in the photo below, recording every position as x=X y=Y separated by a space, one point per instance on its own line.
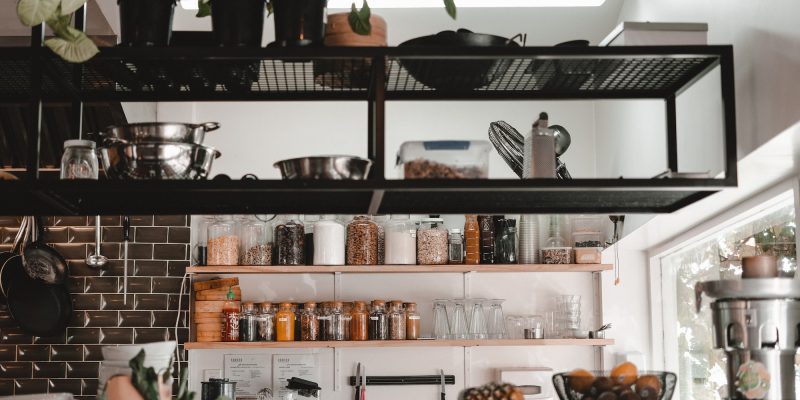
x=236 y=23
x=360 y=19
x=69 y=43
x=146 y=22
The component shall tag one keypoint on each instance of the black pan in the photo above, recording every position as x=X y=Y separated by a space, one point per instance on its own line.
x=12 y=258
x=43 y=262
x=40 y=309
x=457 y=75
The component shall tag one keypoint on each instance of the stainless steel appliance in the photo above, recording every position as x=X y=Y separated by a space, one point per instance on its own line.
x=757 y=323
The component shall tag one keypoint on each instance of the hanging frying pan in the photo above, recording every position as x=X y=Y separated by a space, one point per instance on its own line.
x=40 y=309
x=41 y=261
x=11 y=261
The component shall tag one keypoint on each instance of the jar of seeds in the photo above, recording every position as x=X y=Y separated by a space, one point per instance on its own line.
x=362 y=241
x=223 y=242
x=289 y=241
x=432 y=242
x=256 y=242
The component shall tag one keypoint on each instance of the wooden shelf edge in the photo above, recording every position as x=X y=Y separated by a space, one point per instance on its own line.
x=397 y=343
x=383 y=269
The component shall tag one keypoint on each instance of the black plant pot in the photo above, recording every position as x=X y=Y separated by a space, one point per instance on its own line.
x=238 y=23
x=146 y=22
x=299 y=22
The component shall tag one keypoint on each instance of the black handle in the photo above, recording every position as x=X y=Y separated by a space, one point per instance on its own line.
x=443 y=395
x=126 y=228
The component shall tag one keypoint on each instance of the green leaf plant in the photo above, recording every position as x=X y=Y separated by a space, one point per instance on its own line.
x=69 y=43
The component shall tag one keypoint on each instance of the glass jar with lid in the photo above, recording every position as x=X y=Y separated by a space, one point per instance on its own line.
x=455 y=253
x=309 y=324
x=284 y=323
x=432 y=242
x=329 y=241
x=358 y=321
x=248 y=323
x=338 y=321
x=289 y=241
x=472 y=240
x=79 y=160
x=505 y=243
x=555 y=249
x=397 y=321
x=309 y=221
x=380 y=221
x=412 y=322
x=378 y=328
x=256 y=242
x=200 y=249
x=223 y=242
x=266 y=323
x=325 y=326
x=362 y=241
x=401 y=241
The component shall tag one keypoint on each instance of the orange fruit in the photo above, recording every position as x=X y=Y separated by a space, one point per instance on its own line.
x=648 y=387
x=624 y=374
x=580 y=380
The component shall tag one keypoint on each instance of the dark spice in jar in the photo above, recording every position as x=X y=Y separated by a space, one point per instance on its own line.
x=378 y=321
x=290 y=244
x=309 y=324
x=325 y=326
x=248 y=323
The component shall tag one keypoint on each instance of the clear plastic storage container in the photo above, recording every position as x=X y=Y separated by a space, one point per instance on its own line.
x=255 y=240
x=444 y=159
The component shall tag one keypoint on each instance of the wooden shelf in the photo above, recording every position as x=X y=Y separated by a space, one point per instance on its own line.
x=377 y=269
x=398 y=343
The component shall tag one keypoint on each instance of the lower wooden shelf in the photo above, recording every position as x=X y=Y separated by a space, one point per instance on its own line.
x=398 y=343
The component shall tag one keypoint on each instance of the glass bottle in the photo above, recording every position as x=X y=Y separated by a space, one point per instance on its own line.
x=338 y=321
x=289 y=241
x=539 y=152
x=309 y=221
x=380 y=221
x=472 y=240
x=456 y=247
x=487 y=238
x=248 y=323
x=309 y=324
x=378 y=321
x=230 y=313
x=200 y=251
x=347 y=310
x=397 y=321
x=358 y=321
x=505 y=243
x=412 y=322
x=297 y=309
x=255 y=238
x=284 y=323
x=329 y=241
x=362 y=241
x=266 y=323
x=79 y=160
x=555 y=250
x=223 y=242
x=432 y=242
x=401 y=241
x=325 y=326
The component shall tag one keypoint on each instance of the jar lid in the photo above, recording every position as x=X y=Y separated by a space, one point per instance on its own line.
x=310 y=304
x=455 y=231
x=79 y=143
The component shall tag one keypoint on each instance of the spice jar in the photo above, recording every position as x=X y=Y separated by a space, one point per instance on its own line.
x=223 y=242
x=297 y=309
x=505 y=242
x=472 y=240
x=256 y=242
x=266 y=323
x=325 y=326
x=412 y=322
x=309 y=324
x=338 y=321
x=401 y=241
x=200 y=250
x=358 y=321
x=432 y=242
x=555 y=249
x=378 y=321
x=347 y=310
x=289 y=241
x=284 y=323
x=309 y=221
x=328 y=241
x=486 y=225
x=248 y=323
x=380 y=221
x=397 y=321
x=362 y=241
x=455 y=252
x=230 y=315
x=79 y=160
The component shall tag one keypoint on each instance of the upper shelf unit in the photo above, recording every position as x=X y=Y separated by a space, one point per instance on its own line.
x=209 y=73
x=394 y=269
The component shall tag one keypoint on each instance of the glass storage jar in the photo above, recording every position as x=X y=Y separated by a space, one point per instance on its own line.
x=248 y=323
x=256 y=242
x=200 y=249
x=401 y=241
x=309 y=324
x=223 y=242
x=380 y=221
x=358 y=321
x=79 y=160
x=432 y=242
x=505 y=242
x=329 y=241
x=325 y=326
x=397 y=321
x=378 y=321
x=309 y=221
x=472 y=240
x=362 y=241
x=266 y=323
x=412 y=322
x=289 y=241
x=347 y=310
x=455 y=253
x=284 y=323
x=486 y=225
x=338 y=321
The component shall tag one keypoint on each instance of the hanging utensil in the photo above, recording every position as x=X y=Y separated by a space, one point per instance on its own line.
x=39 y=308
x=11 y=261
x=97 y=260
x=126 y=236
x=41 y=261
x=444 y=394
x=358 y=382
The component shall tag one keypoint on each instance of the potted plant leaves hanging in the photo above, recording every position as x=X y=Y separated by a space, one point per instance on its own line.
x=69 y=43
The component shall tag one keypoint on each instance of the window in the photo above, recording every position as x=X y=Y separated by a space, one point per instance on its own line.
x=700 y=367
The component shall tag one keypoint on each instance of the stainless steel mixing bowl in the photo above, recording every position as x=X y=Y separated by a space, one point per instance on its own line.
x=157 y=161
x=325 y=168
x=162 y=132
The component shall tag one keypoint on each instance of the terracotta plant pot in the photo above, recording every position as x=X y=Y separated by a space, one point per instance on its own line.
x=339 y=33
x=348 y=73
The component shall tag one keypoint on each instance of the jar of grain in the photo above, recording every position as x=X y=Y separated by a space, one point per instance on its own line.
x=289 y=241
x=432 y=242
x=223 y=242
x=381 y=221
x=412 y=322
x=329 y=241
x=397 y=321
x=309 y=324
x=358 y=321
x=362 y=241
x=256 y=242
x=401 y=241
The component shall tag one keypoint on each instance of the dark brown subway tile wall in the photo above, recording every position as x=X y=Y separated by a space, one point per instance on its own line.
x=69 y=362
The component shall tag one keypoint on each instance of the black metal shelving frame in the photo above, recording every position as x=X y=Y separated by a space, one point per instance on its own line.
x=374 y=75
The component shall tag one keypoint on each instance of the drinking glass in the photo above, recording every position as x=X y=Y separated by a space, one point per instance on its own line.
x=458 y=319
x=477 y=324
x=514 y=327
x=441 y=327
x=496 y=327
